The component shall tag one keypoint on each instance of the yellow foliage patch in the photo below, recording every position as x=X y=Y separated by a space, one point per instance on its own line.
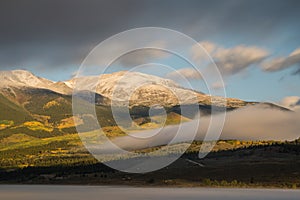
x=35 y=125
x=5 y=124
x=70 y=122
x=113 y=131
x=16 y=138
x=51 y=104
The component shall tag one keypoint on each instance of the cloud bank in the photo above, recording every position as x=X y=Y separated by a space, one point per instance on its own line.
x=249 y=123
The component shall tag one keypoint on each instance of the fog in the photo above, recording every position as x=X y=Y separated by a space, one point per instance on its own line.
x=256 y=123
x=249 y=123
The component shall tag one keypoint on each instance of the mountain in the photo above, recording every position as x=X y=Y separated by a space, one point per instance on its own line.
x=19 y=78
x=25 y=97
x=151 y=90
x=147 y=90
x=11 y=80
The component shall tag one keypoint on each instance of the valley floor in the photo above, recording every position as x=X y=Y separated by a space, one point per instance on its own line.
x=260 y=165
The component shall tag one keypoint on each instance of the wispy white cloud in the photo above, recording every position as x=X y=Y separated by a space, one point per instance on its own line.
x=209 y=47
x=281 y=63
x=232 y=60
x=291 y=102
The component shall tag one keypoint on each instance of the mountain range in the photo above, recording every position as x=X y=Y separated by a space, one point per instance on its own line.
x=151 y=89
x=31 y=102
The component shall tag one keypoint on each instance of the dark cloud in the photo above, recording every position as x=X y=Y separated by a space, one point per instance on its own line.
x=141 y=57
x=57 y=33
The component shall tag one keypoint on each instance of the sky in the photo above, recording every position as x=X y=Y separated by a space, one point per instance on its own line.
x=255 y=44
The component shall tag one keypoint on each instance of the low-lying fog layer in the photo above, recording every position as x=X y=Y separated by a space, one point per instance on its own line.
x=249 y=123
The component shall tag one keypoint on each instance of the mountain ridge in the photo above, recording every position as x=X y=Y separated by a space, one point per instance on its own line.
x=147 y=89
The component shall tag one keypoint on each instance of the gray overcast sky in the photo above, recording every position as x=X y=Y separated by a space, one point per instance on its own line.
x=43 y=36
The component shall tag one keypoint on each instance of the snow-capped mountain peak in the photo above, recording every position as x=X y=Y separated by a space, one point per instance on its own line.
x=19 y=78
x=138 y=88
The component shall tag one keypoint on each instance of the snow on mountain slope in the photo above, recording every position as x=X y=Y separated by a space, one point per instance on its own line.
x=19 y=78
x=138 y=88
x=25 y=79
